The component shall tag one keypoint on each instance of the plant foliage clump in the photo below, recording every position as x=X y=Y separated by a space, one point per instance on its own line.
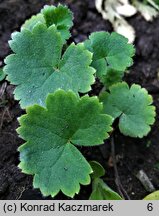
x=50 y=76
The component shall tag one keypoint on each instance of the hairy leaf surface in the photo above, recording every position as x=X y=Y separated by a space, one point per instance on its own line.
x=111 y=52
x=59 y=16
x=37 y=68
x=51 y=134
x=132 y=106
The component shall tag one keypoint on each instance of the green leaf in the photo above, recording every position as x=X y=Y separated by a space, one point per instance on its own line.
x=51 y=133
x=152 y=196
x=2 y=74
x=37 y=67
x=98 y=170
x=112 y=77
x=33 y=21
x=111 y=52
x=59 y=16
x=113 y=48
x=102 y=192
x=132 y=106
x=157 y=2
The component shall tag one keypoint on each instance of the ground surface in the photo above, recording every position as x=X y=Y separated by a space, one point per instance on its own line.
x=132 y=154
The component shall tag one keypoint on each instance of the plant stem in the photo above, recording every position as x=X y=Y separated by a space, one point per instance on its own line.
x=120 y=187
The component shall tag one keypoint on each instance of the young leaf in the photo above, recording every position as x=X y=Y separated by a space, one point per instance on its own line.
x=114 y=48
x=37 y=68
x=33 y=21
x=59 y=16
x=112 y=77
x=2 y=74
x=110 y=51
x=102 y=192
x=98 y=170
x=132 y=106
x=153 y=196
x=51 y=133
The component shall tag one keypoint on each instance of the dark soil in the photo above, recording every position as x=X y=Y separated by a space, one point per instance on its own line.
x=132 y=154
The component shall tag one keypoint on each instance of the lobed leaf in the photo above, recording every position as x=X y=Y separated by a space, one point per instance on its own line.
x=59 y=16
x=112 y=55
x=37 y=67
x=132 y=106
x=33 y=21
x=51 y=133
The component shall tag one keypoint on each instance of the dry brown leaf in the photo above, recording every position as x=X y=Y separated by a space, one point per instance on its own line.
x=116 y=10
